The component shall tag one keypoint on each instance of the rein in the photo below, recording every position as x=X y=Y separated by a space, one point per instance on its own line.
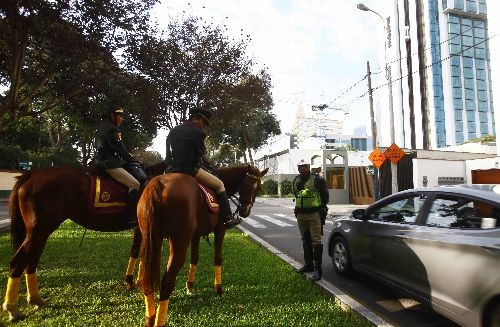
x=236 y=200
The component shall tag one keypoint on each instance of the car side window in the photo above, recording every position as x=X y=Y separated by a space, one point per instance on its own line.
x=462 y=213
x=402 y=210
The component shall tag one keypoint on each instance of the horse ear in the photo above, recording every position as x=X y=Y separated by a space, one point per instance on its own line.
x=262 y=173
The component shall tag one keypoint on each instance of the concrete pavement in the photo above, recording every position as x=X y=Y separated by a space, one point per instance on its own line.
x=4 y=215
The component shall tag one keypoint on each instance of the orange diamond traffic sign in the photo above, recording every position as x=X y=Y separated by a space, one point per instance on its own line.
x=394 y=153
x=377 y=158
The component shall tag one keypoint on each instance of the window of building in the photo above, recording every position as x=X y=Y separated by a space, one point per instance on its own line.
x=457 y=104
x=458 y=115
x=484 y=128
x=458 y=4
x=468 y=73
x=470 y=105
x=483 y=117
x=472 y=135
x=480 y=53
x=480 y=63
x=469 y=94
x=335 y=178
x=482 y=95
x=481 y=85
x=455 y=71
x=481 y=74
x=471 y=116
x=455 y=81
x=457 y=93
x=469 y=83
x=482 y=8
x=482 y=106
x=471 y=128
x=459 y=137
x=470 y=5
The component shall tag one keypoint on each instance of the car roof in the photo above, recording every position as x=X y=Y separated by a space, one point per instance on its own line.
x=486 y=191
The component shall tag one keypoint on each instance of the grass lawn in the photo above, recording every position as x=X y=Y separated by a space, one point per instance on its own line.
x=84 y=287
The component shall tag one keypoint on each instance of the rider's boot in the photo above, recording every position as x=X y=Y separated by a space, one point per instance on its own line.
x=308 y=255
x=225 y=211
x=318 y=256
x=133 y=198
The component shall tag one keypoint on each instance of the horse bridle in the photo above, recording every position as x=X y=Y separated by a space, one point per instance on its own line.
x=236 y=199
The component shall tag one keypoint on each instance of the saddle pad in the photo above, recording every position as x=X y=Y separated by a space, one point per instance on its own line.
x=210 y=200
x=106 y=195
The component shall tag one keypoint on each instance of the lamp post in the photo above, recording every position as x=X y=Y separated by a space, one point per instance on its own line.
x=394 y=167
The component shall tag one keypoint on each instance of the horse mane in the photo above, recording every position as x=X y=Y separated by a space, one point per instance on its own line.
x=232 y=176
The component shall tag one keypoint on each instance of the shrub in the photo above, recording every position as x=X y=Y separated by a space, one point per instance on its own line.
x=269 y=187
x=286 y=188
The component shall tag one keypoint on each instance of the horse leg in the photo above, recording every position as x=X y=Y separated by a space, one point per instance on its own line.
x=134 y=254
x=176 y=259
x=16 y=267
x=27 y=256
x=195 y=256
x=218 y=240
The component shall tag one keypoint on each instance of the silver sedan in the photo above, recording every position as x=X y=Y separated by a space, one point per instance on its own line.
x=440 y=244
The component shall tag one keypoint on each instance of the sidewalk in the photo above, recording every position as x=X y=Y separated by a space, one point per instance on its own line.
x=4 y=215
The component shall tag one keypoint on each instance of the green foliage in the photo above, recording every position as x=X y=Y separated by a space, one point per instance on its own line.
x=84 y=286
x=269 y=187
x=483 y=139
x=286 y=187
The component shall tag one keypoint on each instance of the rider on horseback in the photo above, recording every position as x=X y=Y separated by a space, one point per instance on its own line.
x=112 y=153
x=186 y=154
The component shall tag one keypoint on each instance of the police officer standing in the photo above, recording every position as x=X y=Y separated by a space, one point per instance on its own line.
x=113 y=155
x=186 y=153
x=311 y=198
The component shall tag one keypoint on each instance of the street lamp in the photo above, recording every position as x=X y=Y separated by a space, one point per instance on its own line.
x=394 y=171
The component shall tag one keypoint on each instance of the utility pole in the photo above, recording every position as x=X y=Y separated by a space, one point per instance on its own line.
x=394 y=167
x=376 y=181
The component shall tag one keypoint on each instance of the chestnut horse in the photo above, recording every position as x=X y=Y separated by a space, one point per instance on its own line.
x=173 y=207
x=40 y=202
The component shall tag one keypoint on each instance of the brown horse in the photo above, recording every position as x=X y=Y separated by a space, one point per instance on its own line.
x=40 y=202
x=172 y=207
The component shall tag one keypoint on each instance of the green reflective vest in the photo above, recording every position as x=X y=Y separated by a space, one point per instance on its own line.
x=309 y=196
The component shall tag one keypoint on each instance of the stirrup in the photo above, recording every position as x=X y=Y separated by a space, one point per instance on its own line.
x=232 y=222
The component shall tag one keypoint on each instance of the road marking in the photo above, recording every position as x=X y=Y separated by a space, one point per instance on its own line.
x=274 y=221
x=254 y=223
x=4 y=221
x=286 y=217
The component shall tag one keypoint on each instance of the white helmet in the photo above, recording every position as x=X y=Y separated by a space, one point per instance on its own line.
x=302 y=161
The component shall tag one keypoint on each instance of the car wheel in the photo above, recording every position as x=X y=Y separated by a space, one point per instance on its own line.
x=492 y=318
x=341 y=257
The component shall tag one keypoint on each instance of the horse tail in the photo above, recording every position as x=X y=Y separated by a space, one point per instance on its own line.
x=152 y=239
x=17 y=226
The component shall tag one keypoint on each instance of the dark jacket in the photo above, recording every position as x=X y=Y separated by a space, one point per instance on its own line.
x=110 y=148
x=319 y=184
x=185 y=149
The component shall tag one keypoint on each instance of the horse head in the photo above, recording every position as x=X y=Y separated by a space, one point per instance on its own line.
x=248 y=189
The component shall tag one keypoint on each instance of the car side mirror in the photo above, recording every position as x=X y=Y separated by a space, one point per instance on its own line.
x=359 y=214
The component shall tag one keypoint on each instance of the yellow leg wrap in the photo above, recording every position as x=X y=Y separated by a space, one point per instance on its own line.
x=131 y=266
x=12 y=293
x=32 y=285
x=139 y=270
x=149 y=300
x=161 y=315
x=192 y=271
x=218 y=275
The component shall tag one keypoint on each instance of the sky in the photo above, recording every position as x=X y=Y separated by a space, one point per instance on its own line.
x=315 y=51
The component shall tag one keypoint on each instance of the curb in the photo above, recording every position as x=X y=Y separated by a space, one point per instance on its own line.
x=345 y=302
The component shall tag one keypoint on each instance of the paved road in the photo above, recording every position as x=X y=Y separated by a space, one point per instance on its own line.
x=272 y=221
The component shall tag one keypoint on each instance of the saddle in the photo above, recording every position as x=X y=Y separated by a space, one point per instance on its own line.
x=106 y=195
x=210 y=200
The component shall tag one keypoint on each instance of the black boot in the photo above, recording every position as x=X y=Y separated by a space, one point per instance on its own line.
x=133 y=198
x=318 y=257
x=308 y=254
x=225 y=211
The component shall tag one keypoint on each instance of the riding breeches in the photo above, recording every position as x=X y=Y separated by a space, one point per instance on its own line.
x=124 y=177
x=209 y=180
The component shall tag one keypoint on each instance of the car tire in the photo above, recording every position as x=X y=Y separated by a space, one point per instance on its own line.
x=492 y=317
x=341 y=256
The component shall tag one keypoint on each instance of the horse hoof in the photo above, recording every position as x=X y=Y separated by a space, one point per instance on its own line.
x=129 y=281
x=218 y=289
x=14 y=314
x=150 y=321
x=189 y=288
x=37 y=302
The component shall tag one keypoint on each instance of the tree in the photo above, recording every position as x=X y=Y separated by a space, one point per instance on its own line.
x=192 y=65
x=52 y=51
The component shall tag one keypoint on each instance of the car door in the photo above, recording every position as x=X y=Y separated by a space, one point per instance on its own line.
x=385 y=232
x=454 y=249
